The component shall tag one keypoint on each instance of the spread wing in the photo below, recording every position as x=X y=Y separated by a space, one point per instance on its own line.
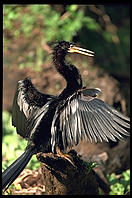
x=83 y=116
x=27 y=101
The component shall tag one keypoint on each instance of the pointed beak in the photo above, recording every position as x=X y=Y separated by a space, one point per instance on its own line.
x=79 y=50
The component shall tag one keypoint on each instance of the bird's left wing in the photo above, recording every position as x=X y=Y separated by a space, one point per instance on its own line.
x=28 y=101
x=83 y=117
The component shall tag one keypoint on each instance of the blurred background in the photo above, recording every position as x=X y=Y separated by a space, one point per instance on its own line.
x=30 y=30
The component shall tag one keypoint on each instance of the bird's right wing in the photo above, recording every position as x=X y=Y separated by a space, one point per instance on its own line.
x=83 y=116
x=27 y=101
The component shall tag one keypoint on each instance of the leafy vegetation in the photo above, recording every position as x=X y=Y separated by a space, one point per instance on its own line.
x=53 y=27
x=120 y=184
x=48 y=23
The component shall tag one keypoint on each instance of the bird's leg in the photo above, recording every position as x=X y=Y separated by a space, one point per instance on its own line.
x=65 y=156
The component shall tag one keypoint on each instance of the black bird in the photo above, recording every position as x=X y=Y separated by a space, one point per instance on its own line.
x=53 y=123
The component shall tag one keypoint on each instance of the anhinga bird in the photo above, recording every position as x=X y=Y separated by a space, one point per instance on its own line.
x=53 y=123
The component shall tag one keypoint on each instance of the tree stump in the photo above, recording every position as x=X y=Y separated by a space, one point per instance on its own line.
x=62 y=178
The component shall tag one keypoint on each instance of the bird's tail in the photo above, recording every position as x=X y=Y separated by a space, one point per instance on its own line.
x=12 y=172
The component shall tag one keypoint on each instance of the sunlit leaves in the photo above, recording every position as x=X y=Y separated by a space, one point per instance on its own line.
x=119 y=184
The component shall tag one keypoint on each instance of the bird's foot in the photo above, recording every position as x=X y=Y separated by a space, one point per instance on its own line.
x=65 y=156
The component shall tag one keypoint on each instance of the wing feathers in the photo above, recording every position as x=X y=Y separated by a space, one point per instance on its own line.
x=27 y=100
x=108 y=120
x=83 y=116
x=116 y=122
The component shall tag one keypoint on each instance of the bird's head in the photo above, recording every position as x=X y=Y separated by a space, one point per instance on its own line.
x=63 y=47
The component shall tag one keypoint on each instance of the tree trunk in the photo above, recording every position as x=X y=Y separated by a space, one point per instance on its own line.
x=62 y=178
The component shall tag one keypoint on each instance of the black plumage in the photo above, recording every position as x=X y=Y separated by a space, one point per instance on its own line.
x=49 y=122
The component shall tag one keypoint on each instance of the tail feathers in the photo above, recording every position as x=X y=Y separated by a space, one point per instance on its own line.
x=13 y=171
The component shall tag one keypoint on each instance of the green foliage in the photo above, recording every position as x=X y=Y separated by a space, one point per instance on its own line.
x=109 y=34
x=90 y=165
x=7 y=126
x=53 y=25
x=50 y=25
x=10 y=15
x=13 y=145
x=121 y=185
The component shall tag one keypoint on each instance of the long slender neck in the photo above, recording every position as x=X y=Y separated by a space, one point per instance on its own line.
x=69 y=72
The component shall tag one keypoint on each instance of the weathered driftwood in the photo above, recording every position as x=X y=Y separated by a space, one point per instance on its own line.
x=62 y=178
